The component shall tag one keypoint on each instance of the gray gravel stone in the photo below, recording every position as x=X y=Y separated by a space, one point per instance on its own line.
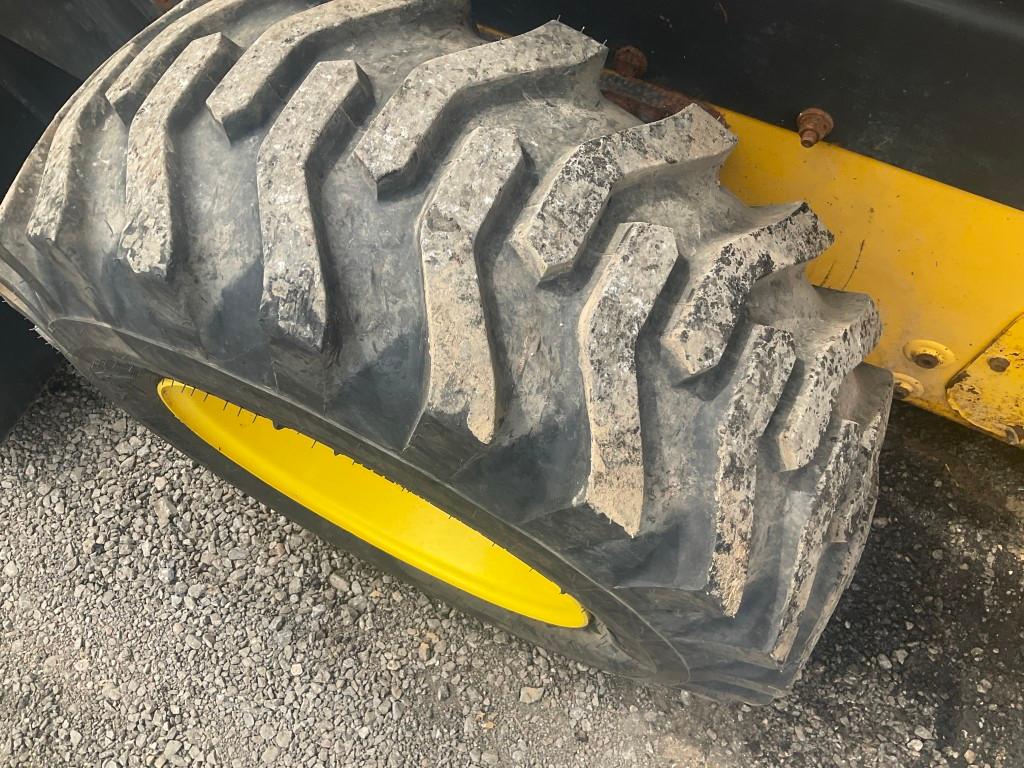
x=165 y=510
x=338 y=582
x=528 y=695
x=270 y=754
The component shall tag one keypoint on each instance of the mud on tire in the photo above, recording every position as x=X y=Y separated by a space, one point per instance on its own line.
x=457 y=263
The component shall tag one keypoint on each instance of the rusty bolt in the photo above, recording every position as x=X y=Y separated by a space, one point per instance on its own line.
x=998 y=364
x=629 y=61
x=813 y=125
x=926 y=360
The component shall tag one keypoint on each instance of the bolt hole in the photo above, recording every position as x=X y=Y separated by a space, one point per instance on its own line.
x=998 y=364
x=926 y=360
x=900 y=392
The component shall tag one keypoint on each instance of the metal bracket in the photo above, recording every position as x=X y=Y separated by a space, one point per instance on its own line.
x=989 y=392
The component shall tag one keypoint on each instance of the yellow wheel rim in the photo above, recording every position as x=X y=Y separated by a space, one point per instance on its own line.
x=371 y=507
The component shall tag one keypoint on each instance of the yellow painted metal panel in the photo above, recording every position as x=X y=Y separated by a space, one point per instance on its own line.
x=371 y=507
x=942 y=264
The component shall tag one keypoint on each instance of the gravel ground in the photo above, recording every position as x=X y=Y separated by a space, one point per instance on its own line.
x=152 y=615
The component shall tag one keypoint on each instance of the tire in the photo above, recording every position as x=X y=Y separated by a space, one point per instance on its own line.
x=456 y=263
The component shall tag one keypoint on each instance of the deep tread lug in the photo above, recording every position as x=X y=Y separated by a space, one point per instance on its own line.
x=559 y=224
x=150 y=242
x=405 y=130
x=821 y=507
x=294 y=308
x=631 y=277
x=827 y=359
x=127 y=93
x=722 y=275
x=461 y=390
x=249 y=92
x=65 y=158
x=767 y=356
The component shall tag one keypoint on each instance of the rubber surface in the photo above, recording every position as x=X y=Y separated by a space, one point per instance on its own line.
x=456 y=263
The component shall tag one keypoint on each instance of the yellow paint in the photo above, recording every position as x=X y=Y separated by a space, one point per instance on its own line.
x=989 y=393
x=942 y=264
x=371 y=507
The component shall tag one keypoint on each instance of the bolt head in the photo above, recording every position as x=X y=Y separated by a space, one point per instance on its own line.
x=926 y=360
x=813 y=125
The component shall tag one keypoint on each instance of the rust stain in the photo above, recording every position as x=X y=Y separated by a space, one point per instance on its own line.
x=629 y=61
x=646 y=100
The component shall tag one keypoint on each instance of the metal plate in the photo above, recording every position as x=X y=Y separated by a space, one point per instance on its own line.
x=989 y=393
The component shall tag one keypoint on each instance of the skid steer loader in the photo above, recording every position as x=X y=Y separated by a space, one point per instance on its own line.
x=479 y=294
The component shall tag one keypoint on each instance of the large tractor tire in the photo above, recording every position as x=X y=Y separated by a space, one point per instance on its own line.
x=497 y=312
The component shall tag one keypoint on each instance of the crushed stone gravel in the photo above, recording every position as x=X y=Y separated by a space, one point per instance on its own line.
x=150 y=614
